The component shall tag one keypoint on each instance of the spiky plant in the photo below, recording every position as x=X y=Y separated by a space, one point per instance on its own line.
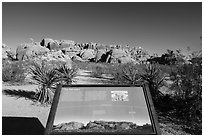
x=66 y=74
x=126 y=74
x=131 y=74
x=45 y=77
x=154 y=77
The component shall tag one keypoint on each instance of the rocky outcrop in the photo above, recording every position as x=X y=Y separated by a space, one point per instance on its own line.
x=87 y=54
x=29 y=50
x=7 y=53
x=98 y=126
x=94 y=126
x=118 y=53
x=101 y=55
x=56 y=44
x=56 y=56
x=71 y=50
x=125 y=60
x=93 y=52
x=50 y=44
x=69 y=126
x=77 y=58
x=66 y=43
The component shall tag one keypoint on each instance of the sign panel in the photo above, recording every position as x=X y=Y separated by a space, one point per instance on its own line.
x=101 y=110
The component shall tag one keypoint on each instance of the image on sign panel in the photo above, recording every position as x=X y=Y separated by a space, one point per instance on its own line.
x=102 y=109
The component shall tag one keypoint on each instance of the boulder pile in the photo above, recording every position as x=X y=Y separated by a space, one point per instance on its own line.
x=69 y=126
x=7 y=53
x=103 y=127
x=66 y=50
x=96 y=126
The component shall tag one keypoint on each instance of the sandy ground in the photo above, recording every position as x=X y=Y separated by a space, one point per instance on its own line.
x=21 y=107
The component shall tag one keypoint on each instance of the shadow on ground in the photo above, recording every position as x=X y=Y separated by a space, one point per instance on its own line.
x=22 y=126
x=20 y=93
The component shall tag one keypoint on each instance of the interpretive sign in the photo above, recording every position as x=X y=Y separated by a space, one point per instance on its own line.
x=102 y=109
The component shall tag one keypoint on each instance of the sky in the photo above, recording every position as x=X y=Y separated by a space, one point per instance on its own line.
x=155 y=27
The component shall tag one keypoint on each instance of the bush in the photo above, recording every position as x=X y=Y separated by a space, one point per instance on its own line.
x=97 y=71
x=13 y=71
x=153 y=75
x=188 y=95
x=126 y=74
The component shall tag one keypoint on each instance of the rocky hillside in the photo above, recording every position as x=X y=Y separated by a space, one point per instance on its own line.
x=67 y=50
x=103 y=127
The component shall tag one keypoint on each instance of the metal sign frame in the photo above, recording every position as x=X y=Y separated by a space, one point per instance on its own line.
x=147 y=95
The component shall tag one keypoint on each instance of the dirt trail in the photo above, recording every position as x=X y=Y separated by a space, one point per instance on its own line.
x=85 y=78
x=21 y=107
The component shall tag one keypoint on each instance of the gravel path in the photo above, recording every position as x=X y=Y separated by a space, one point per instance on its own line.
x=21 y=107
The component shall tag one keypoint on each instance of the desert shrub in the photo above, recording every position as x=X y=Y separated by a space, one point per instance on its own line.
x=66 y=74
x=125 y=74
x=133 y=74
x=13 y=71
x=152 y=74
x=85 y=65
x=46 y=78
x=98 y=70
x=187 y=86
x=128 y=74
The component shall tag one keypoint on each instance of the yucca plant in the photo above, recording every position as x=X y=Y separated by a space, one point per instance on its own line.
x=131 y=74
x=127 y=74
x=66 y=74
x=154 y=77
x=46 y=78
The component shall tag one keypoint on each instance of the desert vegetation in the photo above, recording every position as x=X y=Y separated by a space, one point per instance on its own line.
x=51 y=62
x=182 y=100
x=48 y=77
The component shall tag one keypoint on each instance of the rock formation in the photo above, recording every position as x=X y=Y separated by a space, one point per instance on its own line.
x=7 y=53
x=65 y=50
x=29 y=50
x=87 y=54
x=95 y=126
x=69 y=126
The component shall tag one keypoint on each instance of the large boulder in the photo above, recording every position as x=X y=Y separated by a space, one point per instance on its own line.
x=118 y=53
x=87 y=54
x=94 y=126
x=127 y=59
x=50 y=44
x=29 y=50
x=56 y=44
x=7 y=53
x=101 y=56
x=72 y=50
x=54 y=58
x=66 y=43
x=58 y=55
x=46 y=41
x=77 y=58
